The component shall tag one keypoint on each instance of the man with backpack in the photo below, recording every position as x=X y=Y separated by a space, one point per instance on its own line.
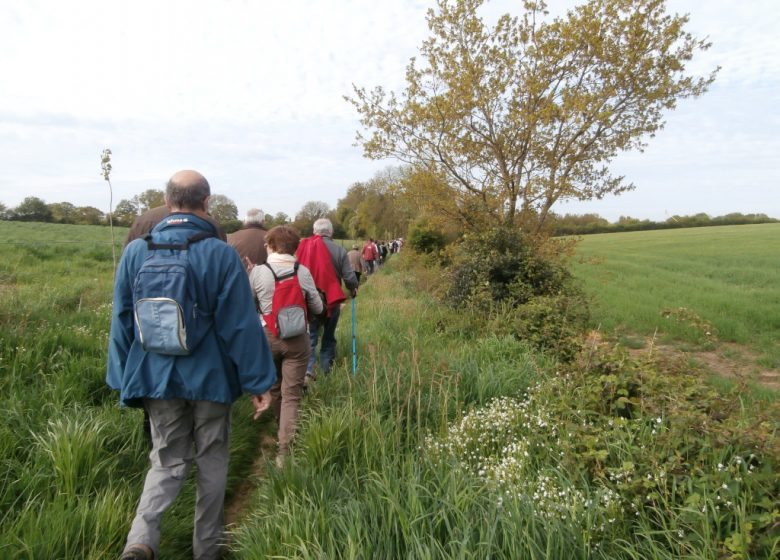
x=142 y=225
x=329 y=265
x=185 y=343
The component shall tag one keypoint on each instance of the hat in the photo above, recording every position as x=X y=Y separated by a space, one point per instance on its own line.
x=355 y=247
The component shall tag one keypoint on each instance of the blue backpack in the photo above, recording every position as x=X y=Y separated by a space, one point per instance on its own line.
x=168 y=319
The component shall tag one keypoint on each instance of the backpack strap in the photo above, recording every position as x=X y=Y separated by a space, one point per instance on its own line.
x=284 y=276
x=151 y=245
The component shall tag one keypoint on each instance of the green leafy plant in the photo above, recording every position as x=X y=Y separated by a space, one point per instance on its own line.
x=519 y=287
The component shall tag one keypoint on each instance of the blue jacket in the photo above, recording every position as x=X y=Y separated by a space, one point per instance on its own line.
x=234 y=356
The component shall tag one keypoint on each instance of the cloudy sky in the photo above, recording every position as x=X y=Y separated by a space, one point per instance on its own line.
x=250 y=93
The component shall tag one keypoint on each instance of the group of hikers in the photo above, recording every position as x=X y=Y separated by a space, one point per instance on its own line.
x=199 y=318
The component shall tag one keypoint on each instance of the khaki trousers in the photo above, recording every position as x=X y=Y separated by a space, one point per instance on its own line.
x=290 y=357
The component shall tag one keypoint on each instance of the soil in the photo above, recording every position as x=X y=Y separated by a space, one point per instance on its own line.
x=237 y=507
x=728 y=360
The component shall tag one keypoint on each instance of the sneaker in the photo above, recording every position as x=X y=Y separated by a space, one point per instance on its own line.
x=137 y=552
x=309 y=380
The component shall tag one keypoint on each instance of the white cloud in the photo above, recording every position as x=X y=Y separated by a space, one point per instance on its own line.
x=250 y=93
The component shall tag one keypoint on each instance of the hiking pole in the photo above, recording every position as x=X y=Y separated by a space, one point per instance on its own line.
x=354 y=339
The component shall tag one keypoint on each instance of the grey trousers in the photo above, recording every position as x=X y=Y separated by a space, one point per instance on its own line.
x=182 y=432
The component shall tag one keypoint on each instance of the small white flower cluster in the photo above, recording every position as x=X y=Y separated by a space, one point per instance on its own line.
x=82 y=329
x=496 y=443
x=104 y=309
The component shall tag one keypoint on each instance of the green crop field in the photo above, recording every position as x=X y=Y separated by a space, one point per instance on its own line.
x=700 y=286
x=450 y=442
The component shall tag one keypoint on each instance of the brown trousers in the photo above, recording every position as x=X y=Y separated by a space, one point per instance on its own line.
x=290 y=357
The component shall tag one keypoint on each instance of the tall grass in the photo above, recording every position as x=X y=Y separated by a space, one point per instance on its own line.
x=364 y=481
x=71 y=461
x=724 y=275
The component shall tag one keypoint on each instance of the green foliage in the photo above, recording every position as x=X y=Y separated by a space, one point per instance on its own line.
x=231 y=226
x=573 y=224
x=308 y=214
x=518 y=116
x=222 y=208
x=522 y=289
x=552 y=323
x=125 y=212
x=640 y=448
x=279 y=219
x=63 y=212
x=376 y=208
x=150 y=198
x=32 y=209
x=425 y=238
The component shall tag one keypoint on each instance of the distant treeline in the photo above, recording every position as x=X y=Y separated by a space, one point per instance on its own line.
x=584 y=224
x=348 y=218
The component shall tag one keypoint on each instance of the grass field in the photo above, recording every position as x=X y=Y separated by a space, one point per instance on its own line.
x=71 y=461
x=448 y=443
x=686 y=283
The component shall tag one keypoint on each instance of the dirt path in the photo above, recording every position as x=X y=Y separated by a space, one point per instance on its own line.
x=237 y=507
x=728 y=360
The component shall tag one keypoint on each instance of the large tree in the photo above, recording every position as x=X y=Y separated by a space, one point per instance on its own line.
x=222 y=208
x=309 y=213
x=150 y=198
x=63 y=212
x=376 y=208
x=32 y=209
x=126 y=211
x=89 y=215
x=518 y=116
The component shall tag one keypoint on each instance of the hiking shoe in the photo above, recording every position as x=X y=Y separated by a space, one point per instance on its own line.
x=308 y=381
x=137 y=552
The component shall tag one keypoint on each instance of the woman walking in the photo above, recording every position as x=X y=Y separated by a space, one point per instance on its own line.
x=287 y=296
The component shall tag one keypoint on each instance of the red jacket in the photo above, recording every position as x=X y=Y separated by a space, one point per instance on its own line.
x=369 y=252
x=314 y=255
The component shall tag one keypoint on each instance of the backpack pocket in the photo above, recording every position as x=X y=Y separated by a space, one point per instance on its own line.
x=161 y=326
x=291 y=321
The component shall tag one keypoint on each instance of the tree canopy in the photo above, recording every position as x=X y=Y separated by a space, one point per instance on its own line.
x=309 y=213
x=33 y=209
x=518 y=116
x=222 y=208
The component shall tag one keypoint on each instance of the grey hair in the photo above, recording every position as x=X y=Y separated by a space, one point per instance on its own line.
x=323 y=227
x=254 y=216
x=188 y=196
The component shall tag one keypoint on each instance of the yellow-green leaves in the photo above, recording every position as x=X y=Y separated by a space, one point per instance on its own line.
x=528 y=112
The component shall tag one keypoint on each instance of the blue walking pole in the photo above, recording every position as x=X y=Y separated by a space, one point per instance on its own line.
x=354 y=339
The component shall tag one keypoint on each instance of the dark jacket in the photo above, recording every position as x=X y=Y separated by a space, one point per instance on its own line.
x=340 y=260
x=234 y=356
x=250 y=243
x=144 y=223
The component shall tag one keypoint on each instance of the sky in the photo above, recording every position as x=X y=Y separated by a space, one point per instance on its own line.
x=250 y=93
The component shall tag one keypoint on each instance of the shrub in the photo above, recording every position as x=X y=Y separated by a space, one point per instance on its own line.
x=520 y=287
x=426 y=239
x=553 y=324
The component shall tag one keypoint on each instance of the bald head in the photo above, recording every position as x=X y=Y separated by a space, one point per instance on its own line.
x=187 y=191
